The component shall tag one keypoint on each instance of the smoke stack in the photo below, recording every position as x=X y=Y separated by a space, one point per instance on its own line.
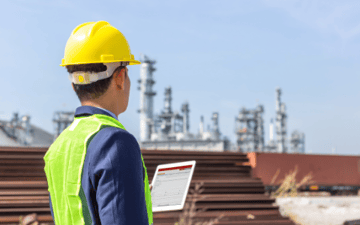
x=146 y=83
x=271 y=130
x=27 y=127
x=167 y=105
x=201 y=125
x=215 y=119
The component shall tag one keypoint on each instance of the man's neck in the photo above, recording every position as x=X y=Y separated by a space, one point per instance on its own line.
x=97 y=105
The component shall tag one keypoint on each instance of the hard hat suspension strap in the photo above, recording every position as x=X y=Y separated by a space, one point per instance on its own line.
x=82 y=78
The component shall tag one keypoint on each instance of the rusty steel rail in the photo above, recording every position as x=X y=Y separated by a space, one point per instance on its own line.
x=229 y=188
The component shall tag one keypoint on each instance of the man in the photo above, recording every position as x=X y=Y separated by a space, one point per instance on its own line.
x=95 y=170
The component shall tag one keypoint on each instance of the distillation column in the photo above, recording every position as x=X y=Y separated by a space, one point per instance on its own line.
x=271 y=144
x=271 y=132
x=216 y=132
x=146 y=97
x=201 y=130
x=280 y=123
x=242 y=122
x=167 y=102
x=185 y=110
x=169 y=119
x=258 y=116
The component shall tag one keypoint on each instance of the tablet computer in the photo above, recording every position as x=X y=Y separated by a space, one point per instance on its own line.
x=171 y=184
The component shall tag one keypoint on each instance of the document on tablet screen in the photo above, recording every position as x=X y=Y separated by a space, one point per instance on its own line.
x=170 y=185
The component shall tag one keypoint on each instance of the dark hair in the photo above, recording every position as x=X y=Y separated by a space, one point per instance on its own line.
x=93 y=90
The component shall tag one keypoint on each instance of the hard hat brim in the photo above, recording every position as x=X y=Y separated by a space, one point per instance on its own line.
x=131 y=62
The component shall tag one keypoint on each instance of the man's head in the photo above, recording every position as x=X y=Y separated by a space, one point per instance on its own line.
x=112 y=91
x=96 y=55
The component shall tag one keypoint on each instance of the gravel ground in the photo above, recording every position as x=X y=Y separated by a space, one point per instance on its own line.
x=333 y=210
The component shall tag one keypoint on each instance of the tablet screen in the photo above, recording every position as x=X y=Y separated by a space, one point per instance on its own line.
x=170 y=185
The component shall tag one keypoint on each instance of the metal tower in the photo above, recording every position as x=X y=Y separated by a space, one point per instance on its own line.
x=146 y=83
x=168 y=122
x=167 y=101
x=201 y=126
x=280 y=123
x=215 y=132
x=297 y=142
x=167 y=115
x=271 y=147
x=250 y=130
x=186 y=123
x=61 y=121
x=259 y=137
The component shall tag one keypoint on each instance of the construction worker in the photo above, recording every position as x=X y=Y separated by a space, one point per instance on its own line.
x=95 y=170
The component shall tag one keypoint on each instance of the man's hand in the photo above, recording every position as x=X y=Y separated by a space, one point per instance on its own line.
x=150 y=187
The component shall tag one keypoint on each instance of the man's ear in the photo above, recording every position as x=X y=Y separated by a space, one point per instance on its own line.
x=72 y=85
x=119 y=78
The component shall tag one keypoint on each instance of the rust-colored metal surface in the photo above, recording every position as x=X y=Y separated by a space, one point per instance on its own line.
x=325 y=169
x=228 y=186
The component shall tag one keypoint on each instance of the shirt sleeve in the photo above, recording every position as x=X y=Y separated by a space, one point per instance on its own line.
x=116 y=171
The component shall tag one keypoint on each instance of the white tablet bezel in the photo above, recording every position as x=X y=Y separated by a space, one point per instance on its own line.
x=170 y=165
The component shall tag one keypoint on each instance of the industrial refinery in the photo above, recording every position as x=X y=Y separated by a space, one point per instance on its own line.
x=250 y=131
x=19 y=132
x=170 y=129
x=61 y=120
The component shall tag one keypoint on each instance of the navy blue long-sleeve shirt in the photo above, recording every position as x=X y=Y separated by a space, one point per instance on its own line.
x=113 y=176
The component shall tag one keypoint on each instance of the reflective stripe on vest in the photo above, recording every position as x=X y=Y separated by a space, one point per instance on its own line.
x=63 y=169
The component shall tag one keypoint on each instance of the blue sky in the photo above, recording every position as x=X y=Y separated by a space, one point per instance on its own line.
x=218 y=55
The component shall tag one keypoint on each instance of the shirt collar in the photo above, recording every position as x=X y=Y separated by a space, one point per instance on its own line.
x=90 y=110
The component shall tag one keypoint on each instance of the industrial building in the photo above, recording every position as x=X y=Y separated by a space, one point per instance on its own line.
x=61 y=120
x=169 y=130
x=250 y=131
x=19 y=132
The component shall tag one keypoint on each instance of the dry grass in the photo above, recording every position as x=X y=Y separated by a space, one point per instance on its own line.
x=289 y=187
x=187 y=217
x=30 y=219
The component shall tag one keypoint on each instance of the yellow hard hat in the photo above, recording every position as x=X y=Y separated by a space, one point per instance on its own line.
x=97 y=42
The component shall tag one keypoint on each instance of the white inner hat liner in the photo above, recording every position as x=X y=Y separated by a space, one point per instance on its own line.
x=81 y=77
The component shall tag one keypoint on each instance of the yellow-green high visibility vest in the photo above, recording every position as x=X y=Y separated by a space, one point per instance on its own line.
x=64 y=163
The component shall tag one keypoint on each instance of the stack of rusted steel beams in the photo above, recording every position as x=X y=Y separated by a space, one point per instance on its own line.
x=228 y=187
x=23 y=186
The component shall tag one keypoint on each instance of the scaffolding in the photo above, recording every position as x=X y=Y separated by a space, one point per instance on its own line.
x=62 y=120
x=250 y=129
x=297 y=142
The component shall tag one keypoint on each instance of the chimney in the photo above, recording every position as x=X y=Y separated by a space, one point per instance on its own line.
x=201 y=125
x=271 y=130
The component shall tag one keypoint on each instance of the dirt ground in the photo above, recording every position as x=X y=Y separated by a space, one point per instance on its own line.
x=334 y=210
